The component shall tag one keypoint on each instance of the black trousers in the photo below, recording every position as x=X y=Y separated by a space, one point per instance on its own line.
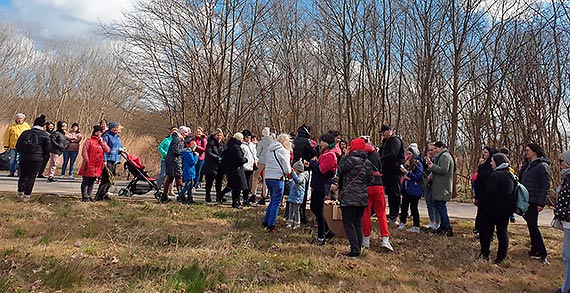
x=43 y=167
x=536 y=241
x=106 y=180
x=317 y=207
x=412 y=203
x=28 y=172
x=352 y=222
x=392 y=187
x=248 y=178
x=303 y=208
x=87 y=186
x=210 y=179
x=486 y=225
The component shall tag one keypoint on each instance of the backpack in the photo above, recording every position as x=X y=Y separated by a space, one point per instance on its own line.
x=519 y=197
x=28 y=143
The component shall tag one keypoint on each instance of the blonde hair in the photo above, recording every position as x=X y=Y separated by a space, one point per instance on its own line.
x=285 y=140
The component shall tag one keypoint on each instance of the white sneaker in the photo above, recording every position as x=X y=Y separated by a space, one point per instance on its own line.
x=402 y=227
x=366 y=242
x=414 y=230
x=429 y=226
x=435 y=226
x=289 y=226
x=26 y=198
x=386 y=243
x=61 y=177
x=70 y=177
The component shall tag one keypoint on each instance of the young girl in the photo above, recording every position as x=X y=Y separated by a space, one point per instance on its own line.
x=189 y=161
x=296 y=193
x=411 y=189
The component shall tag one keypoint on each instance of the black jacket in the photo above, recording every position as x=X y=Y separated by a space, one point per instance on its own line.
x=233 y=165
x=214 y=150
x=392 y=155
x=174 y=156
x=535 y=176
x=483 y=172
x=356 y=173
x=302 y=146
x=40 y=151
x=562 y=209
x=497 y=196
x=58 y=142
x=376 y=160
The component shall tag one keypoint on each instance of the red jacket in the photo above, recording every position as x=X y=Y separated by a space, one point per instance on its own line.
x=93 y=151
x=201 y=142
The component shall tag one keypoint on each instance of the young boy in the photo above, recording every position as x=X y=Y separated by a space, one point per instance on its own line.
x=296 y=193
x=189 y=159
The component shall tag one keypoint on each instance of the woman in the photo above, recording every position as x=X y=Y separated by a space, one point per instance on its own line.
x=495 y=206
x=234 y=160
x=49 y=129
x=562 y=212
x=261 y=151
x=356 y=173
x=74 y=136
x=201 y=144
x=535 y=176
x=58 y=145
x=211 y=170
x=277 y=167
x=323 y=170
x=92 y=153
x=484 y=170
x=174 y=161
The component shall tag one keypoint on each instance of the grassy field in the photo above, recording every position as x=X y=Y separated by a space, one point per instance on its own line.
x=54 y=244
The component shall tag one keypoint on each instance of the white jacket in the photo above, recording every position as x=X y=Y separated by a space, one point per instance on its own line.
x=248 y=149
x=272 y=169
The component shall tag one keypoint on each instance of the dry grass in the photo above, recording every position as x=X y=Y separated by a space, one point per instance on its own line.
x=140 y=246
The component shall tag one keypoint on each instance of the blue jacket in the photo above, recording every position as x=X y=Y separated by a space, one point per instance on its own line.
x=413 y=181
x=189 y=159
x=114 y=142
x=297 y=187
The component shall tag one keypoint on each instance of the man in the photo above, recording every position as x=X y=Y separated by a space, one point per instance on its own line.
x=427 y=183
x=250 y=153
x=304 y=149
x=11 y=136
x=34 y=147
x=111 y=159
x=392 y=152
x=442 y=169
x=162 y=150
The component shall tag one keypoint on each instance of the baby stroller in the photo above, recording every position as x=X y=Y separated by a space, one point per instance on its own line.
x=142 y=183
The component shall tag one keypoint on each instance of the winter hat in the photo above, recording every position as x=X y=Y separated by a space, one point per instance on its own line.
x=40 y=121
x=112 y=125
x=181 y=129
x=500 y=159
x=357 y=144
x=96 y=128
x=20 y=115
x=238 y=136
x=265 y=132
x=413 y=145
x=414 y=150
x=246 y=132
x=385 y=127
x=328 y=138
x=191 y=144
x=566 y=156
x=299 y=165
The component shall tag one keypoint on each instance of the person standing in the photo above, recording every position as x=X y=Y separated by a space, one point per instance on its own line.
x=442 y=169
x=411 y=189
x=49 y=128
x=189 y=160
x=211 y=169
x=296 y=193
x=234 y=160
x=201 y=143
x=33 y=145
x=93 y=154
x=392 y=152
x=163 y=150
x=484 y=170
x=174 y=162
x=535 y=176
x=11 y=136
x=562 y=212
x=58 y=145
x=261 y=150
x=278 y=166
x=304 y=148
x=73 y=137
x=434 y=218
x=250 y=153
x=110 y=161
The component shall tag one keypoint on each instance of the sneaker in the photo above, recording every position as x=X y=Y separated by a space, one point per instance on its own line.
x=393 y=223
x=444 y=232
x=329 y=235
x=428 y=226
x=366 y=242
x=512 y=218
x=264 y=224
x=61 y=177
x=319 y=241
x=386 y=243
x=70 y=177
x=289 y=226
x=534 y=254
x=414 y=230
x=26 y=198
x=544 y=261
x=51 y=179
x=86 y=199
x=402 y=226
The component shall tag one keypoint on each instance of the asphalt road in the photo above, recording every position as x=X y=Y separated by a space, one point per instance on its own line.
x=72 y=188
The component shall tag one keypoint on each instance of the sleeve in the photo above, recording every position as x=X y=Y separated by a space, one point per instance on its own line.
x=85 y=152
x=78 y=137
x=201 y=147
x=343 y=165
x=110 y=145
x=562 y=203
x=163 y=147
x=544 y=184
x=417 y=173
x=7 y=138
x=106 y=148
x=285 y=160
x=46 y=147
x=442 y=167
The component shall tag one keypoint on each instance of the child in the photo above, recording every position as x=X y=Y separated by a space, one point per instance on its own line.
x=189 y=160
x=296 y=193
x=411 y=189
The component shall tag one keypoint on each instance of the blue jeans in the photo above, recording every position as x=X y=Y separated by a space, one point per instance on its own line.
x=566 y=259
x=160 y=178
x=186 y=189
x=441 y=209
x=433 y=215
x=276 y=189
x=14 y=161
x=198 y=167
x=69 y=156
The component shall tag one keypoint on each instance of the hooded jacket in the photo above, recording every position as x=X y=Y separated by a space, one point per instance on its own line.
x=189 y=160
x=562 y=209
x=163 y=147
x=297 y=187
x=535 y=176
x=214 y=150
x=413 y=181
x=376 y=160
x=234 y=160
x=201 y=144
x=261 y=148
x=303 y=149
x=40 y=152
x=392 y=155
x=250 y=154
x=92 y=153
x=356 y=172
x=497 y=199
x=277 y=154
x=323 y=171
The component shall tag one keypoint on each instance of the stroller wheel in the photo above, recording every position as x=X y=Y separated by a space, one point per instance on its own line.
x=125 y=192
x=158 y=195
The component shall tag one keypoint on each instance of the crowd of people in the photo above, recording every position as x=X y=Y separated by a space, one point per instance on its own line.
x=357 y=173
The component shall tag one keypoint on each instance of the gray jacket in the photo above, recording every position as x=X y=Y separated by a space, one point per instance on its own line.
x=357 y=174
x=536 y=178
x=262 y=148
x=442 y=176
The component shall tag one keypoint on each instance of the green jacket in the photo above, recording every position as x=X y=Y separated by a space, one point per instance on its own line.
x=442 y=175
x=163 y=147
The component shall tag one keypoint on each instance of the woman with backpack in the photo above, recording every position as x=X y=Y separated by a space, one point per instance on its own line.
x=58 y=145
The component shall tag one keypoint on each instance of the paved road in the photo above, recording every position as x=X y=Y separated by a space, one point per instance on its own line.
x=72 y=187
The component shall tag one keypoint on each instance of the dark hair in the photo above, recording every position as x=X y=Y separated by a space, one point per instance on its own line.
x=170 y=129
x=60 y=126
x=491 y=151
x=439 y=144
x=103 y=120
x=504 y=150
x=246 y=132
x=537 y=149
x=336 y=133
x=500 y=158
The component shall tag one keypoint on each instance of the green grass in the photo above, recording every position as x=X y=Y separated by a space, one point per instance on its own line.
x=64 y=276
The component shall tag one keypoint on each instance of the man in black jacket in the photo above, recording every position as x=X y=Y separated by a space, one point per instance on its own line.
x=302 y=149
x=34 y=148
x=392 y=152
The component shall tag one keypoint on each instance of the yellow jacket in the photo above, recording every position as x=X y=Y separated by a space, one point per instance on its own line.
x=13 y=132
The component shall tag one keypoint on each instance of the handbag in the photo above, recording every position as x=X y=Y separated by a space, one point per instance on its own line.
x=336 y=212
x=557 y=223
x=5 y=160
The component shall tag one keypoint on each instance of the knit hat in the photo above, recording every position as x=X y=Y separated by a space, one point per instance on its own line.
x=500 y=159
x=266 y=132
x=40 y=121
x=299 y=165
x=414 y=150
x=112 y=125
x=413 y=145
x=238 y=136
x=191 y=144
x=357 y=144
x=96 y=128
x=20 y=115
x=566 y=156
x=181 y=129
x=328 y=138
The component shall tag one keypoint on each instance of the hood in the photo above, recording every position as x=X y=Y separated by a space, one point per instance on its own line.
x=502 y=166
x=358 y=153
x=303 y=131
x=233 y=142
x=369 y=148
x=275 y=145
